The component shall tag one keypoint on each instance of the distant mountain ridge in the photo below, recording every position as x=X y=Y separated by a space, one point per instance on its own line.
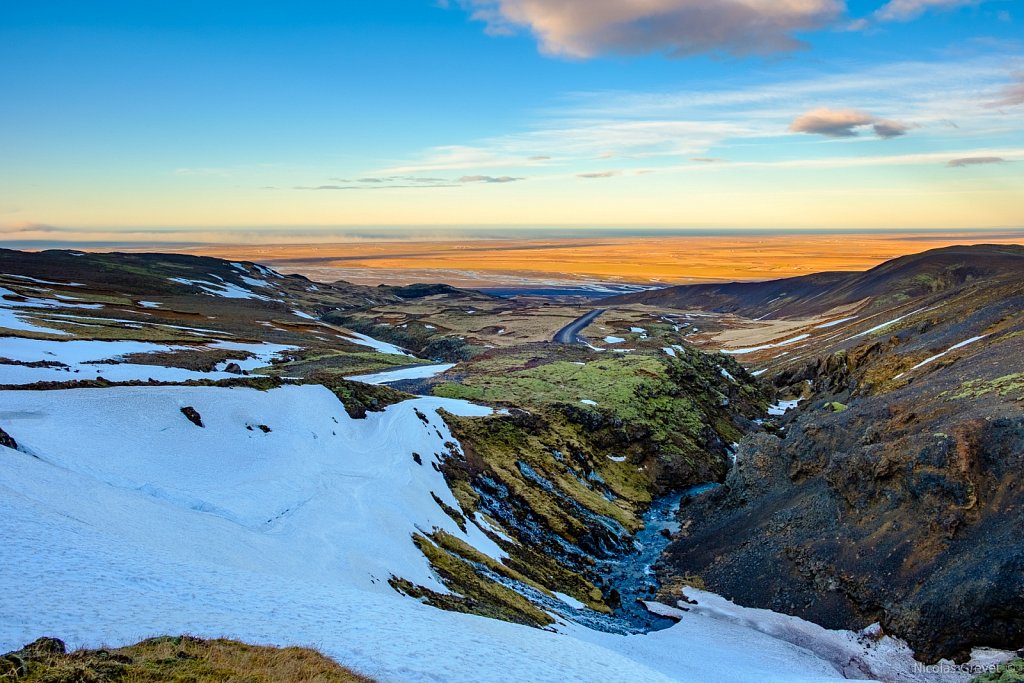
x=890 y=282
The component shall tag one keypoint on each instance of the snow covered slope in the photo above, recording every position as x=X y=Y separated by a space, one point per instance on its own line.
x=120 y=518
x=39 y=360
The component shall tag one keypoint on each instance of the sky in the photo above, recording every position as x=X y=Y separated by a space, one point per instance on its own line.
x=270 y=121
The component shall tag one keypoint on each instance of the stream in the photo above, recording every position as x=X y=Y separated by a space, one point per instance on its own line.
x=633 y=575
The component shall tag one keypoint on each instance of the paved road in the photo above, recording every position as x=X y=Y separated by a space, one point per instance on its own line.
x=570 y=334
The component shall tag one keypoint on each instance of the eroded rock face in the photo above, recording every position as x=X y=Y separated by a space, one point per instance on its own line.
x=905 y=509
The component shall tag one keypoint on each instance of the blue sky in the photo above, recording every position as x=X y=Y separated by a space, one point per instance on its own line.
x=128 y=119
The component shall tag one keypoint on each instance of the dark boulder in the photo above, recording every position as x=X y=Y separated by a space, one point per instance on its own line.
x=193 y=416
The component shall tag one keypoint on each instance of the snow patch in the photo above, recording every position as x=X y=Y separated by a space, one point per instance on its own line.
x=833 y=323
x=782 y=407
x=937 y=356
x=414 y=372
x=227 y=290
x=383 y=347
x=793 y=340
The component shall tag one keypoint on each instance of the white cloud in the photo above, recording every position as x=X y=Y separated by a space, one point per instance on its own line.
x=831 y=123
x=587 y=28
x=845 y=123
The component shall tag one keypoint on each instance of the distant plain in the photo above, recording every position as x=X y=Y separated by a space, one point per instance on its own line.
x=644 y=260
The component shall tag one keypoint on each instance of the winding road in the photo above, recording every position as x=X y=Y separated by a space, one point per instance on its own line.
x=570 y=334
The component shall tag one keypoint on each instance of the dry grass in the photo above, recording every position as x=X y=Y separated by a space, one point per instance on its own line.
x=181 y=659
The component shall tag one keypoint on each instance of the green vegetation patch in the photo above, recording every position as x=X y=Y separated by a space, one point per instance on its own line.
x=611 y=382
x=478 y=595
x=358 y=398
x=320 y=362
x=1007 y=385
x=656 y=404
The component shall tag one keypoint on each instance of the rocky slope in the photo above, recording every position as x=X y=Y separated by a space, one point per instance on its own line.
x=893 y=493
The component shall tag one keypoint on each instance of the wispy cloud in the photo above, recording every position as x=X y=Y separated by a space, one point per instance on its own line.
x=905 y=10
x=941 y=102
x=28 y=227
x=406 y=182
x=1011 y=95
x=839 y=162
x=458 y=157
x=375 y=186
x=975 y=161
x=597 y=174
x=587 y=28
x=488 y=179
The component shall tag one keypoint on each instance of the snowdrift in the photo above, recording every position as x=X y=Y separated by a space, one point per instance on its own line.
x=280 y=521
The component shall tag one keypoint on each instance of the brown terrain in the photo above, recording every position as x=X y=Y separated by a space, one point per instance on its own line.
x=659 y=260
